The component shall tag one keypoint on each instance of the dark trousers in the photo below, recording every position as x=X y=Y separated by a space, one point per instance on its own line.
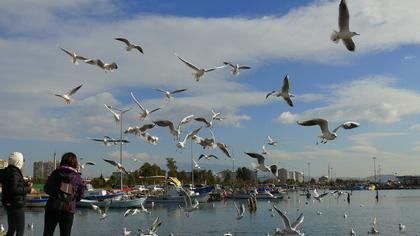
x=16 y=221
x=64 y=220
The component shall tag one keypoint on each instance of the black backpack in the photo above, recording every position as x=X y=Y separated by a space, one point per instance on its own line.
x=66 y=193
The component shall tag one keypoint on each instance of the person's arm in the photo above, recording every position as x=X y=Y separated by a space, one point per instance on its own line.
x=14 y=188
x=48 y=187
x=80 y=189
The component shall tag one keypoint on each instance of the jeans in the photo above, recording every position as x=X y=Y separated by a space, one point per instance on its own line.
x=64 y=220
x=15 y=220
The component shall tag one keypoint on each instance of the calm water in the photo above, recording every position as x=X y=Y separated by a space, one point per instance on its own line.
x=393 y=207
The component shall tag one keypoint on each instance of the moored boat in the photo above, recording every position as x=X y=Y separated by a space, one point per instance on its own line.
x=114 y=203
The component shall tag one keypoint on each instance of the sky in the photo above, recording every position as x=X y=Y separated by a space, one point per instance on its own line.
x=376 y=86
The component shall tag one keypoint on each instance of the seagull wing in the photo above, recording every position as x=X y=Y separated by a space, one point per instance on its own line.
x=123 y=40
x=347 y=125
x=155 y=225
x=285 y=86
x=270 y=140
x=213 y=156
x=66 y=51
x=201 y=156
x=113 y=112
x=237 y=208
x=260 y=158
x=163 y=123
x=112 y=162
x=73 y=91
x=140 y=49
x=268 y=94
x=202 y=119
x=188 y=63
x=323 y=124
x=187 y=198
x=178 y=91
x=298 y=221
x=289 y=101
x=343 y=16
x=229 y=64
x=214 y=68
x=316 y=193
x=146 y=127
x=224 y=149
x=127 y=212
x=90 y=163
x=323 y=195
x=157 y=109
x=244 y=67
x=349 y=44
x=137 y=102
x=283 y=216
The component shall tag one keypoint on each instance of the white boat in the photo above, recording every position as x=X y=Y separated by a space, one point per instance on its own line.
x=114 y=203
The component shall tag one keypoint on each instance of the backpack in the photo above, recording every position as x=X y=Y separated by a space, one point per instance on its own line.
x=66 y=193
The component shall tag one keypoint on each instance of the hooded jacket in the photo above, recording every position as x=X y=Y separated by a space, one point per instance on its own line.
x=14 y=188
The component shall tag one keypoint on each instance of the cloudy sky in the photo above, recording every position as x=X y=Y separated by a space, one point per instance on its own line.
x=377 y=85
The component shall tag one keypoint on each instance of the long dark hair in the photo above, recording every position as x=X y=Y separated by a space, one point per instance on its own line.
x=69 y=159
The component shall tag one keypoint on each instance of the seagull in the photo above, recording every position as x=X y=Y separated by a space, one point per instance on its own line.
x=202 y=119
x=235 y=67
x=139 y=130
x=263 y=150
x=271 y=141
x=326 y=133
x=130 y=45
x=189 y=206
x=116 y=164
x=290 y=228
x=198 y=72
x=131 y=212
x=216 y=115
x=223 y=147
x=144 y=112
x=105 y=66
x=167 y=123
x=106 y=140
x=284 y=92
x=373 y=230
x=207 y=156
x=67 y=96
x=239 y=211
x=345 y=215
x=196 y=166
x=169 y=94
x=74 y=57
x=117 y=116
x=260 y=159
x=101 y=212
x=150 y=138
x=186 y=120
x=143 y=209
x=343 y=23
x=126 y=232
x=401 y=227
x=191 y=134
x=83 y=165
x=319 y=197
x=153 y=229
x=352 y=233
x=31 y=226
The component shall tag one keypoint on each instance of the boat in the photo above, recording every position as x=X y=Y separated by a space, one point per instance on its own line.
x=114 y=203
x=36 y=201
x=260 y=193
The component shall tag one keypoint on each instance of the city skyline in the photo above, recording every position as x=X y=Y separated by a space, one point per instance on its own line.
x=376 y=85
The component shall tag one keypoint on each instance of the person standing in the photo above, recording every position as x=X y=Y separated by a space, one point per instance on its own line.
x=14 y=190
x=65 y=187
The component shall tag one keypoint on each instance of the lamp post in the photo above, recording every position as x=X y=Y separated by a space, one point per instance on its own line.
x=374 y=168
x=309 y=172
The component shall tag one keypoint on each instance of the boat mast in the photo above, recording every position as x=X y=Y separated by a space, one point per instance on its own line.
x=121 y=149
x=192 y=165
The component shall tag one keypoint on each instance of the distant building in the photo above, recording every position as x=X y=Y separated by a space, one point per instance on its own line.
x=291 y=175
x=3 y=164
x=409 y=180
x=283 y=175
x=42 y=169
x=226 y=174
x=299 y=176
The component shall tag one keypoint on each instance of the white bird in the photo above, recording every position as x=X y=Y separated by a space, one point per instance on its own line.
x=117 y=116
x=198 y=72
x=263 y=150
x=144 y=112
x=150 y=138
x=130 y=45
x=101 y=212
x=216 y=115
x=126 y=232
x=107 y=67
x=284 y=92
x=401 y=227
x=319 y=197
x=345 y=215
x=326 y=134
x=202 y=119
x=290 y=228
x=83 y=165
x=31 y=226
x=67 y=96
x=239 y=211
x=352 y=233
x=344 y=32
x=118 y=165
x=143 y=209
x=139 y=130
x=319 y=213
x=167 y=123
x=74 y=57
x=153 y=229
x=260 y=160
x=208 y=157
x=196 y=166
x=181 y=144
x=106 y=140
x=186 y=120
x=373 y=230
x=271 y=141
x=189 y=205
x=169 y=94
x=131 y=211
x=236 y=68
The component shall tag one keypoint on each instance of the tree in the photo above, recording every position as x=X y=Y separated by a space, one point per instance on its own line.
x=172 y=168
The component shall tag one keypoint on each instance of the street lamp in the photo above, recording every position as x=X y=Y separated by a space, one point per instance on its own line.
x=374 y=168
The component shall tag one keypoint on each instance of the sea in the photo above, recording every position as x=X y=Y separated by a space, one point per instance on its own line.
x=217 y=218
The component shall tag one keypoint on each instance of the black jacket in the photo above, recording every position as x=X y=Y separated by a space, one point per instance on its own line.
x=14 y=188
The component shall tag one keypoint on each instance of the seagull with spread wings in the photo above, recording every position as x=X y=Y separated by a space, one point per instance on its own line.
x=67 y=96
x=130 y=45
x=198 y=72
x=271 y=141
x=117 y=165
x=284 y=92
x=167 y=123
x=189 y=204
x=190 y=135
x=326 y=134
x=289 y=228
x=144 y=112
x=240 y=211
x=107 y=67
x=169 y=94
x=319 y=197
x=207 y=157
x=260 y=160
x=236 y=67
x=344 y=32
x=74 y=57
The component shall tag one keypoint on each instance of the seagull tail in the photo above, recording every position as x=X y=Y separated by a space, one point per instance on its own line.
x=334 y=36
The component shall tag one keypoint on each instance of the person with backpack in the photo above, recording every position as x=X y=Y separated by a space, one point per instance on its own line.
x=65 y=187
x=14 y=190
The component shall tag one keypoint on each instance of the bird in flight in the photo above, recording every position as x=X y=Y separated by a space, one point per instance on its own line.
x=129 y=45
x=344 y=32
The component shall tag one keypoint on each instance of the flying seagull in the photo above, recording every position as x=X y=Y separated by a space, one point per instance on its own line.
x=202 y=119
x=319 y=197
x=326 y=134
x=169 y=94
x=271 y=141
x=117 y=115
x=196 y=165
x=263 y=150
x=106 y=140
x=144 y=112
x=344 y=32
x=167 y=123
x=260 y=160
x=130 y=45
x=186 y=120
x=105 y=66
x=235 y=67
x=116 y=164
x=239 y=211
x=208 y=157
x=216 y=115
x=87 y=163
x=289 y=228
x=138 y=130
x=373 y=230
x=224 y=148
x=74 y=57
x=189 y=205
x=190 y=135
x=284 y=92
x=198 y=72
x=67 y=96
x=101 y=212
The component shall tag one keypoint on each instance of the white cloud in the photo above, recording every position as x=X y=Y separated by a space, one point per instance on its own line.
x=287 y=117
x=415 y=127
x=141 y=156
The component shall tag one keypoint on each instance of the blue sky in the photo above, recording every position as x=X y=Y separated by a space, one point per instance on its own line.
x=377 y=85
